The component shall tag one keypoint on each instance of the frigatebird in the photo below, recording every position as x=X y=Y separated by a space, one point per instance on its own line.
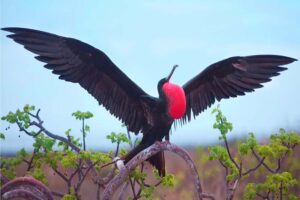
x=78 y=62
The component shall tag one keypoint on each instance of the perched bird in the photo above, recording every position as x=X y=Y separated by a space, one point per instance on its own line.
x=78 y=62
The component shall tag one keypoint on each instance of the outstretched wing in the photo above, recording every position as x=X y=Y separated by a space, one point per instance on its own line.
x=81 y=63
x=230 y=78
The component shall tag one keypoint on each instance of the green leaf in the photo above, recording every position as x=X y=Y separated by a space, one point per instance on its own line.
x=69 y=197
x=40 y=175
x=22 y=153
x=221 y=122
x=27 y=108
x=274 y=184
x=79 y=115
x=67 y=133
x=123 y=152
x=250 y=143
x=147 y=192
x=137 y=174
x=45 y=142
x=168 y=180
x=70 y=160
x=87 y=128
x=9 y=173
x=243 y=149
x=250 y=192
x=2 y=136
x=118 y=138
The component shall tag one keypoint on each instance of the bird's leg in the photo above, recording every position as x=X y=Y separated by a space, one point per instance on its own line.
x=167 y=137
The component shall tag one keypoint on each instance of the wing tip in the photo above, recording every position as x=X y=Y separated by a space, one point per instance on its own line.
x=285 y=59
x=289 y=59
x=5 y=28
x=11 y=29
x=294 y=59
x=263 y=57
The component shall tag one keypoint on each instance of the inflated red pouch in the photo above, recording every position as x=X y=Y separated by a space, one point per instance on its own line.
x=176 y=100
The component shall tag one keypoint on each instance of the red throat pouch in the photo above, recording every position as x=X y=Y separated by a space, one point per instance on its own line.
x=176 y=100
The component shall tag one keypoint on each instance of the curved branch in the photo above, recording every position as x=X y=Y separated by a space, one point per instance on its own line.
x=143 y=156
x=25 y=186
x=20 y=193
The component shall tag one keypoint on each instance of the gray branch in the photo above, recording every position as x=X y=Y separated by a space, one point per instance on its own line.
x=143 y=156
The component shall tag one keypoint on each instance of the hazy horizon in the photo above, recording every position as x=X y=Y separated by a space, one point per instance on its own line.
x=145 y=39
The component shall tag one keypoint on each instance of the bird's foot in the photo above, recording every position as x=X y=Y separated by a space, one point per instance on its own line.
x=167 y=138
x=167 y=141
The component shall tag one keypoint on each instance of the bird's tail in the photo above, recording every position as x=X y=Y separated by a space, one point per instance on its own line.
x=158 y=160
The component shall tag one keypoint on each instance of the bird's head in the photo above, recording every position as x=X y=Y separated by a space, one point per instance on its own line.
x=165 y=80
x=174 y=96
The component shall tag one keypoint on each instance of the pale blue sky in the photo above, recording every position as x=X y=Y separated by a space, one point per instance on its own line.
x=145 y=39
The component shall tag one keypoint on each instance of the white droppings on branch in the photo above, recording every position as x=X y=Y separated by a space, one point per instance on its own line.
x=119 y=163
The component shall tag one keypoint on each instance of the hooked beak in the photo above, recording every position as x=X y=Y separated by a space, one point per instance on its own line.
x=170 y=75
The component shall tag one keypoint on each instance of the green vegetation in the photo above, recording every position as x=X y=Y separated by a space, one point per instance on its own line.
x=277 y=183
x=248 y=169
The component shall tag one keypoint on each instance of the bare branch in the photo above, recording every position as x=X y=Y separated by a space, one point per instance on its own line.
x=21 y=128
x=254 y=168
x=31 y=160
x=144 y=155
x=117 y=151
x=264 y=164
x=84 y=176
x=132 y=187
x=61 y=175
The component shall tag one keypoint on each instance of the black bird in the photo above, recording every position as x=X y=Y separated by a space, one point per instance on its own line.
x=78 y=62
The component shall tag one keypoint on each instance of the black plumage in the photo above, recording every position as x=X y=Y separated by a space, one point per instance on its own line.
x=78 y=62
